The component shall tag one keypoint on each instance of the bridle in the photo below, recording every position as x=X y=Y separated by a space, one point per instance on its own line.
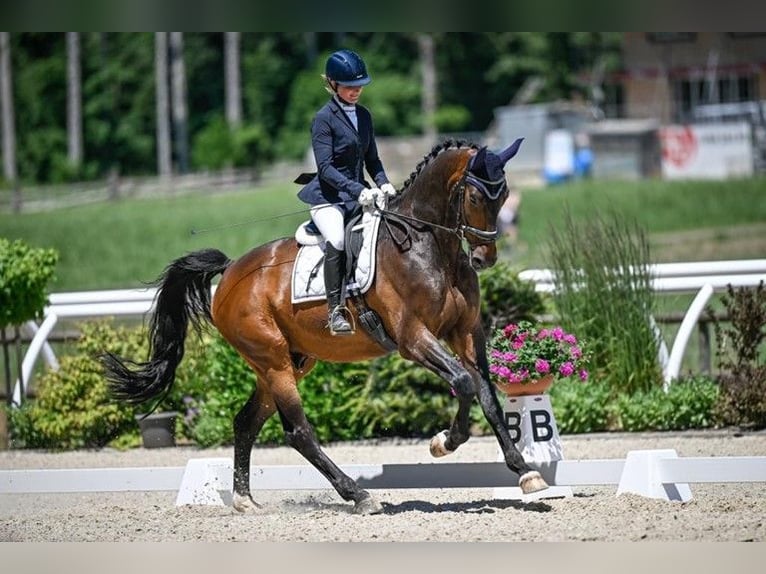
x=490 y=189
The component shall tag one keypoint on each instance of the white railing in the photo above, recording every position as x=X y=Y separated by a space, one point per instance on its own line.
x=703 y=278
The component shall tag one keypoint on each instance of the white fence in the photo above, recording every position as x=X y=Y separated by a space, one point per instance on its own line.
x=703 y=278
x=659 y=474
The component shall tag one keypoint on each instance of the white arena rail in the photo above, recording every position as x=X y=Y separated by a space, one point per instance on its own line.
x=657 y=474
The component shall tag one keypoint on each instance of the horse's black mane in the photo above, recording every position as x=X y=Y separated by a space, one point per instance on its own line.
x=435 y=151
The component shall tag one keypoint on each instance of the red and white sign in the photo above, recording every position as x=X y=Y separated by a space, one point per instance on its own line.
x=707 y=151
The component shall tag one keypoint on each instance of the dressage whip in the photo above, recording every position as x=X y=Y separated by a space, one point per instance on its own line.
x=257 y=220
x=247 y=222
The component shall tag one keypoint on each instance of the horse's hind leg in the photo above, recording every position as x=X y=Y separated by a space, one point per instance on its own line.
x=247 y=424
x=301 y=436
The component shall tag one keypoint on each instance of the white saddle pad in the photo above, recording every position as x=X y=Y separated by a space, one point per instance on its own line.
x=308 y=272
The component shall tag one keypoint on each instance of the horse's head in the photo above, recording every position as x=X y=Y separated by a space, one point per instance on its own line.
x=484 y=192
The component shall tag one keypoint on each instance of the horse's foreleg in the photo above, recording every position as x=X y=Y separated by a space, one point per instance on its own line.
x=425 y=349
x=530 y=480
x=247 y=424
x=301 y=436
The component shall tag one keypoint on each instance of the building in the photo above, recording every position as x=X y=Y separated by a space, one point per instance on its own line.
x=669 y=76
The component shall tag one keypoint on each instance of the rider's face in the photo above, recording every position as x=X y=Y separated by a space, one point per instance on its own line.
x=350 y=94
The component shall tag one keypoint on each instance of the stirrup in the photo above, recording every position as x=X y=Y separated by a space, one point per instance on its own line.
x=345 y=328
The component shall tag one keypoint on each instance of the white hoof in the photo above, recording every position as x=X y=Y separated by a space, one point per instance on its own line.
x=245 y=504
x=368 y=506
x=532 y=482
x=438 y=448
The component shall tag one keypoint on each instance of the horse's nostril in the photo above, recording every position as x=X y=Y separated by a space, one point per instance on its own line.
x=477 y=262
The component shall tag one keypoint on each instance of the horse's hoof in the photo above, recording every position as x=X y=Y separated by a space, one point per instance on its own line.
x=245 y=504
x=368 y=506
x=532 y=482
x=438 y=448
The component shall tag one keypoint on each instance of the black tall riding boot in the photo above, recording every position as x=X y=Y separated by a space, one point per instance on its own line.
x=334 y=267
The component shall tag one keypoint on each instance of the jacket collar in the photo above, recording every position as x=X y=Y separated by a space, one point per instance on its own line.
x=338 y=111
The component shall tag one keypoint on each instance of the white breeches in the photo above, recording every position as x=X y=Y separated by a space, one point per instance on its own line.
x=329 y=220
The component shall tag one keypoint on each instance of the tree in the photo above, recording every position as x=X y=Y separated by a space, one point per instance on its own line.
x=162 y=103
x=74 y=100
x=233 y=88
x=428 y=75
x=180 y=114
x=6 y=95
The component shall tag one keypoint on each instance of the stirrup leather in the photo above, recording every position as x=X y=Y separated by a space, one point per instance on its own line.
x=338 y=315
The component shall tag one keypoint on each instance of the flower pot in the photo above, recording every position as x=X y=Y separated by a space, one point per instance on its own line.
x=528 y=387
x=158 y=429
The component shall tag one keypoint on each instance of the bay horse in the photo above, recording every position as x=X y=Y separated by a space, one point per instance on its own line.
x=425 y=290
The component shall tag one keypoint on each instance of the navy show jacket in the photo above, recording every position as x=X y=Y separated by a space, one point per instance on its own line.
x=341 y=152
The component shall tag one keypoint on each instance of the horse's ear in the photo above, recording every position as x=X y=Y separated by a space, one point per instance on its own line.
x=511 y=151
x=478 y=159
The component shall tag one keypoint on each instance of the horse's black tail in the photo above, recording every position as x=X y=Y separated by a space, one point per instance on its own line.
x=183 y=296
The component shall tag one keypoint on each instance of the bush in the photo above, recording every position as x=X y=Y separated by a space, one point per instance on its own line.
x=688 y=404
x=580 y=407
x=506 y=299
x=24 y=276
x=584 y=407
x=743 y=376
x=73 y=408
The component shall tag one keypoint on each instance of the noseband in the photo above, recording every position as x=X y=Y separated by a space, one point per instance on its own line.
x=491 y=190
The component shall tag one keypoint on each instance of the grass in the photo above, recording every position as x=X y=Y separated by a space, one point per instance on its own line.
x=685 y=221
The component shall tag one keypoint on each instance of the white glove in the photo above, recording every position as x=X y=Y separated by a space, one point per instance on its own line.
x=367 y=196
x=388 y=189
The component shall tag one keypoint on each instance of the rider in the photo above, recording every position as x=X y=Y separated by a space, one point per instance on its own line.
x=343 y=141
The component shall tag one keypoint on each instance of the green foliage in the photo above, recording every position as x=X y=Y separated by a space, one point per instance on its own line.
x=401 y=399
x=452 y=118
x=740 y=352
x=603 y=293
x=72 y=409
x=507 y=299
x=580 y=407
x=218 y=146
x=688 y=404
x=24 y=276
x=589 y=407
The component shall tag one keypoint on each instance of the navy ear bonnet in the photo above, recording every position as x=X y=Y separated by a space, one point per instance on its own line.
x=485 y=170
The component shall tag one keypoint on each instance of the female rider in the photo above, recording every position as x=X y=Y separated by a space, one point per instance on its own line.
x=343 y=141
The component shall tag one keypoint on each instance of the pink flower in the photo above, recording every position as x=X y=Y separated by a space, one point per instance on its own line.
x=566 y=369
x=583 y=375
x=517 y=344
x=510 y=330
x=571 y=339
x=557 y=333
x=575 y=352
x=542 y=366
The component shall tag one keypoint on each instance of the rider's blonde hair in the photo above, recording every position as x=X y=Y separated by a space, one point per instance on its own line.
x=329 y=85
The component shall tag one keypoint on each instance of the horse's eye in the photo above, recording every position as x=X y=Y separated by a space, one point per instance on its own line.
x=473 y=197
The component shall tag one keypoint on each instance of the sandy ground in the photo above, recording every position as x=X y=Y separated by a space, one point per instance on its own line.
x=717 y=512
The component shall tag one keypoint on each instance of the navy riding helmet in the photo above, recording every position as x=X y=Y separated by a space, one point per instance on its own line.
x=347 y=68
